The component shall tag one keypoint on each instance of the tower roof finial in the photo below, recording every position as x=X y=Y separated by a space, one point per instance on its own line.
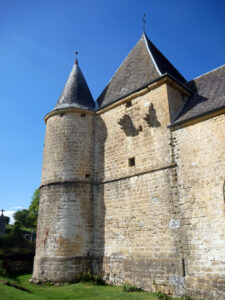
x=76 y=61
x=144 y=22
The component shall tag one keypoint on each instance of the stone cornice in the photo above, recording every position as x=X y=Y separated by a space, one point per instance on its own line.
x=66 y=110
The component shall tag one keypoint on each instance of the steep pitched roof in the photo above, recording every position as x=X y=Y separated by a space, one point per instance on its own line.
x=209 y=95
x=76 y=92
x=145 y=63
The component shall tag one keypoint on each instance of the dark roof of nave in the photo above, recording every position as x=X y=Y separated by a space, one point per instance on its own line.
x=208 y=95
x=144 y=64
x=76 y=92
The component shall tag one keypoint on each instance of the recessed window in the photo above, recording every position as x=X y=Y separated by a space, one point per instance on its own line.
x=83 y=115
x=87 y=175
x=131 y=161
x=128 y=103
x=61 y=115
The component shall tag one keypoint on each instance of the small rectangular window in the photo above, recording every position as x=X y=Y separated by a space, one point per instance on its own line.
x=128 y=103
x=131 y=161
x=83 y=115
x=87 y=175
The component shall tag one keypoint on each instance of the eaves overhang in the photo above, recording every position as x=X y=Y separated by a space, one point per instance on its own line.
x=64 y=110
x=197 y=118
x=164 y=78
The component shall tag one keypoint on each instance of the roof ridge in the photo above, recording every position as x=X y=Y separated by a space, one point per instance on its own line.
x=213 y=70
x=150 y=53
x=170 y=65
x=143 y=64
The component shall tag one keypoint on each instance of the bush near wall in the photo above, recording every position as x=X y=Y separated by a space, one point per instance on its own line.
x=16 y=253
x=16 y=264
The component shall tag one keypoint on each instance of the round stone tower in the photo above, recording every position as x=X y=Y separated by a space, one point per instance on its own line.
x=65 y=229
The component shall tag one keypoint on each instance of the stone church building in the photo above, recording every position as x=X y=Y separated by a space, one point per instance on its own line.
x=134 y=189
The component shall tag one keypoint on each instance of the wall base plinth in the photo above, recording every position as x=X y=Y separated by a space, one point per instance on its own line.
x=60 y=269
x=149 y=274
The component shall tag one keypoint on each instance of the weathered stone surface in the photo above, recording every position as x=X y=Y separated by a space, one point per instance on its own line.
x=157 y=223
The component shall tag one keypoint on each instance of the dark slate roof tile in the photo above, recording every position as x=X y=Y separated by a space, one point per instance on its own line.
x=144 y=64
x=76 y=92
x=209 y=95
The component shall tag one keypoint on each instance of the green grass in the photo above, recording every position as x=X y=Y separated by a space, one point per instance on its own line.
x=81 y=291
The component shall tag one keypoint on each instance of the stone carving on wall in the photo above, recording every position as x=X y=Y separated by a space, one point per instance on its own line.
x=127 y=125
x=151 y=117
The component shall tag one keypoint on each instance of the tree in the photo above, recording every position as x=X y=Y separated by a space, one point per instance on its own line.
x=7 y=220
x=28 y=217
x=33 y=208
x=20 y=216
x=35 y=201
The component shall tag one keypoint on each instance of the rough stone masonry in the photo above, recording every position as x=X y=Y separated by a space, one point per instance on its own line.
x=134 y=190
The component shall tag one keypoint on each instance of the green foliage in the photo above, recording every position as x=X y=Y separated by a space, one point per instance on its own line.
x=186 y=298
x=7 y=220
x=28 y=217
x=2 y=269
x=34 y=206
x=20 y=216
x=93 y=279
x=14 y=242
x=162 y=296
x=130 y=288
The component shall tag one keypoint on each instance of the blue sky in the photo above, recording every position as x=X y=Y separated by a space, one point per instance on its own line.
x=38 y=41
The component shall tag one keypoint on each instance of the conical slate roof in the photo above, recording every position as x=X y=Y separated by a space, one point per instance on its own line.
x=143 y=64
x=76 y=92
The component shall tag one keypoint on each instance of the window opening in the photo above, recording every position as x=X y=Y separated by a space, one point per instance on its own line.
x=131 y=161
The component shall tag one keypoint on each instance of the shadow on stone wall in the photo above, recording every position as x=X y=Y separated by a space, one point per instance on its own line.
x=98 y=197
x=151 y=117
x=127 y=125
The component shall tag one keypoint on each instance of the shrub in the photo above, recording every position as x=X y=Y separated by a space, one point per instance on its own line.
x=130 y=288
x=162 y=295
x=94 y=279
x=2 y=269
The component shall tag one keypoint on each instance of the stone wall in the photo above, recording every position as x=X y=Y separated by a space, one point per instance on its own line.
x=68 y=150
x=199 y=154
x=65 y=223
x=129 y=197
x=136 y=224
x=135 y=231
x=138 y=131
x=162 y=220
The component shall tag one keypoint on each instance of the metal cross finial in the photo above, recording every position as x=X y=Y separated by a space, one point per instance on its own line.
x=76 y=61
x=144 y=22
x=2 y=211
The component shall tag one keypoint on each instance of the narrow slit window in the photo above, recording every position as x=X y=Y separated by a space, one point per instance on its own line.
x=131 y=161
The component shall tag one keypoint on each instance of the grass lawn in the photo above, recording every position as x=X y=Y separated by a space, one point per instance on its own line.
x=70 y=291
